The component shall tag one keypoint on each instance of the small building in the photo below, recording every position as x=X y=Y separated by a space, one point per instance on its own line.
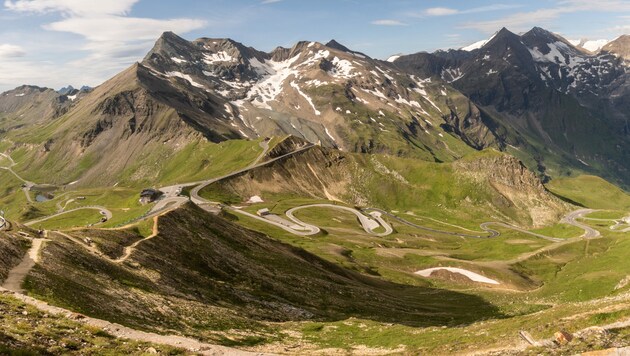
x=263 y=212
x=150 y=195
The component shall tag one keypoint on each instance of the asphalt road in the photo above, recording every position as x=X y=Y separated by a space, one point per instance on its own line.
x=369 y=224
x=491 y=233
x=589 y=232
x=27 y=184
x=570 y=218
x=103 y=210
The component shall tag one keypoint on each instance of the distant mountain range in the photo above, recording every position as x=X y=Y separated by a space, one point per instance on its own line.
x=559 y=107
x=555 y=103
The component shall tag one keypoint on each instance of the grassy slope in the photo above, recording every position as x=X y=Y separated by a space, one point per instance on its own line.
x=196 y=161
x=591 y=191
x=434 y=190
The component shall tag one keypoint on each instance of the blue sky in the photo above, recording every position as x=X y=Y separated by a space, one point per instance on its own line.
x=57 y=42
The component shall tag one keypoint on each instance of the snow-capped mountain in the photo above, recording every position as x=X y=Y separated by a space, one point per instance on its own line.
x=539 y=90
x=321 y=92
x=536 y=95
x=592 y=46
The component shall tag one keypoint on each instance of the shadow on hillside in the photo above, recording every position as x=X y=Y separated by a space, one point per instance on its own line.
x=206 y=260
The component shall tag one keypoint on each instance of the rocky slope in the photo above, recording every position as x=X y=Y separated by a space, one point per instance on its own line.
x=619 y=47
x=28 y=105
x=12 y=249
x=519 y=190
x=561 y=105
x=321 y=93
x=185 y=92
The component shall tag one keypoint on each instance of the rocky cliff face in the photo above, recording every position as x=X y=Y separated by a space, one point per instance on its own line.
x=518 y=187
x=318 y=173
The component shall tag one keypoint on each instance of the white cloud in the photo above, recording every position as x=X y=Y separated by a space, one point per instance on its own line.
x=11 y=51
x=525 y=20
x=270 y=1
x=111 y=39
x=388 y=22
x=446 y=11
x=117 y=28
x=72 y=7
x=440 y=11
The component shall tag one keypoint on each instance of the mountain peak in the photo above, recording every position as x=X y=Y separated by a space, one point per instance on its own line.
x=169 y=37
x=168 y=44
x=336 y=45
x=505 y=32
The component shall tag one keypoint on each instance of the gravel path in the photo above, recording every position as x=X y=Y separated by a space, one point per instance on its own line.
x=18 y=273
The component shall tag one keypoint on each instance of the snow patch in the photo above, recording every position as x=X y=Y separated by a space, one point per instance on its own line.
x=178 y=60
x=329 y=135
x=316 y=82
x=475 y=277
x=342 y=68
x=310 y=101
x=221 y=56
x=393 y=58
x=185 y=77
x=274 y=75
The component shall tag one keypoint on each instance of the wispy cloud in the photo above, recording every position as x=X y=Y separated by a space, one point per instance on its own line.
x=112 y=39
x=447 y=11
x=524 y=20
x=74 y=7
x=388 y=22
x=264 y=2
x=11 y=51
x=440 y=11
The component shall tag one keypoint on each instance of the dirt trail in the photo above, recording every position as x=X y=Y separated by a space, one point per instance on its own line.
x=18 y=273
x=13 y=285
x=121 y=331
x=129 y=249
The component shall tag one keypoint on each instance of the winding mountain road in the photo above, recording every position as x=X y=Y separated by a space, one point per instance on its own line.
x=103 y=210
x=369 y=224
x=27 y=184
x=194 y=193
x=570 y=218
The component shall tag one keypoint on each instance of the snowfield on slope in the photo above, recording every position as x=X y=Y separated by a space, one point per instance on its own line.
x=475 y=277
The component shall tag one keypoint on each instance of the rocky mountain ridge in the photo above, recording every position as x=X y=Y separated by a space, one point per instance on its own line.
x=537 y=92
x=556 y=106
